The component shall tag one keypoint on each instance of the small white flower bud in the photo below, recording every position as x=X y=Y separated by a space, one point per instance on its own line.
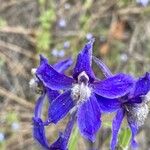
x=33 y=71
x=33 y=84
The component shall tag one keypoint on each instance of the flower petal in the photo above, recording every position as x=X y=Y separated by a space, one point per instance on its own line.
x=39 y=132
x=88 y=118
x=108 y=105
x=43 y=60
x=38 y=128
x=84 y=61
x=142 y=86
x=38 y=106
x=62 y=141
x=63 y=65
x=116 y=126
x=134 y=130
x=134 y=100
x=60 y=66
x=60 y=107
x=52 y=79
x=114 y=87
x=107 y=73
x=51 y=94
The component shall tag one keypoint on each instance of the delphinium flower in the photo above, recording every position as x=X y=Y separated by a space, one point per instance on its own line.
x=80 y=92
x=38 y=124
x=133 y=106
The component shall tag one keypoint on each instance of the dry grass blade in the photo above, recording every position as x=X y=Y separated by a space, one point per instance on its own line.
x=17 y=30
x=17 y=49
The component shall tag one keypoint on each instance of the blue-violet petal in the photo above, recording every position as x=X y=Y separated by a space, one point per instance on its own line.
x=88 y=118
x=60 y=107
x=114 y=87
x=84 y=61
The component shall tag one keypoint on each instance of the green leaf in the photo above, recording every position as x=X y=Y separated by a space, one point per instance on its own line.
x=43 y=40
x=73 y=140
x=124 y=138
x=47 y=18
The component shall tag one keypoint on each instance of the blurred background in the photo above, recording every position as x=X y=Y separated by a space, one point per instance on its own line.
x=58 y=29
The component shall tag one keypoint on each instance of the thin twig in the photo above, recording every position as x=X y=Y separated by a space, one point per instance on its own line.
x=19 y=100
x=17 y=49
x=133 y=10
x=133 y=40
x=17 y=30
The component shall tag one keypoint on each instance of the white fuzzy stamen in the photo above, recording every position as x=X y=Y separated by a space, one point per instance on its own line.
x=147 y=97
x=137 y=114
x=81 y=91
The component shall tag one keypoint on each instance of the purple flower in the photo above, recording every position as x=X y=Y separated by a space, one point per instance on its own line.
x=55 y=52
x=38 y=124
x=2 y=137
x=143 y=2
x=81 y=91
x=132 y=105
x=62 y=23
x=58 y=53
x=66 y=44
x=61 y=53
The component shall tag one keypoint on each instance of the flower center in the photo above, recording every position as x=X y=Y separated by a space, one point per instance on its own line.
x=81 y=91
x=137 y=114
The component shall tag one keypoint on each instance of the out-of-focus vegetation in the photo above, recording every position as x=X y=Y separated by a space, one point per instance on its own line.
x=58 y=29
